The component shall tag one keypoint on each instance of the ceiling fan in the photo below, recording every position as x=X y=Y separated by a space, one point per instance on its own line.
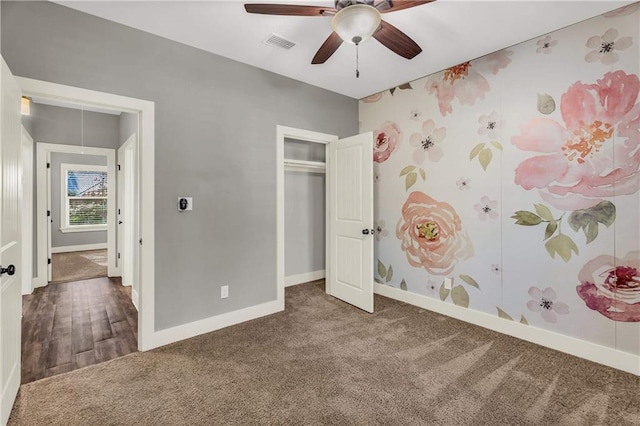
x=354 y=21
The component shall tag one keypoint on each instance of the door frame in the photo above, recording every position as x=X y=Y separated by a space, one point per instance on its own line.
x=28 y=152
x=43 y=194
x=282 y=133
x=147 y=336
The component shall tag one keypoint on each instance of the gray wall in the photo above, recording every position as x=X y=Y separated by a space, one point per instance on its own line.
x=52 y=124
x=304 y=222
x=128 y=126
x=222 y=154
x=58 y=238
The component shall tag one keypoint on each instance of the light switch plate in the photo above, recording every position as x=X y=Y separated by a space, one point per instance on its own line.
x=189 y=202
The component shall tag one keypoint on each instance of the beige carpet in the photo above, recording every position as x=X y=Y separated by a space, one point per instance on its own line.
x=78 y=265
x=325 y=362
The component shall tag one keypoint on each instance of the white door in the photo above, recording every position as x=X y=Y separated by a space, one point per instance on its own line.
x=27 y=211
x=49 y=220
x=127 y=213
x=350 y=220
x=10 y=250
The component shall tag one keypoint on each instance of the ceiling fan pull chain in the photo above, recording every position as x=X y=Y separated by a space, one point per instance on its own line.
x=357 y=60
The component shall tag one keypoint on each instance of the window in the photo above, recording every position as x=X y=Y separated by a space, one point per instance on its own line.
x=84 y=198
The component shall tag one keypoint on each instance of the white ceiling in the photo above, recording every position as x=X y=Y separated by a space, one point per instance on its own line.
x=449 y=32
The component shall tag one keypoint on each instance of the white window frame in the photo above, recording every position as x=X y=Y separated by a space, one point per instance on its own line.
x=64 y=199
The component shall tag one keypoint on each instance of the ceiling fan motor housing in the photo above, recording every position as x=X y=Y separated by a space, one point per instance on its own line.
x=341 y=4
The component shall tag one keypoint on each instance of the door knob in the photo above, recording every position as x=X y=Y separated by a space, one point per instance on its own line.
x=9 y=270
x=365 y=232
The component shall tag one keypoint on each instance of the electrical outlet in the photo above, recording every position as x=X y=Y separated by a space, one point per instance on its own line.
x=448 y=283
x=224 y=292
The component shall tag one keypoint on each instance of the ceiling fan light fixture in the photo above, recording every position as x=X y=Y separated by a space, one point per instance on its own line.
x=357 y=23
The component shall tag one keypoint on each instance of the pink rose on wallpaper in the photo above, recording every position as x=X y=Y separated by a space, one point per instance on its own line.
x=428 y=143
x=387 y=139
x=546 y=44
x=373 y=98
x=466 y=81
x=431 y=234
x=579 y=165
x=611 y=286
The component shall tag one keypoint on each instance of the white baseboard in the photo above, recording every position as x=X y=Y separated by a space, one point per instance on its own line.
x=207 y=325
x=570 y=345
x=290 y=280
x=83 y=247
x=134 y=299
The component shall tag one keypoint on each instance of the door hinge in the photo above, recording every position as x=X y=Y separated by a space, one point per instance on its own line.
x=49 y=261
x=118 y=211
x=140 y=241
x=118 y=167
x=118 y=255
x=48 y=165
x=48 y=213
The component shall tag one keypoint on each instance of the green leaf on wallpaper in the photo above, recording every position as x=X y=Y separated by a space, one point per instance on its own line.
x=497 y=144
x=526 y=218
x=460 y=296
x=467 y=279
x=405 y=86
x=378 y=280
x=389 y=274
x=410 y=180
x=551 y=228
x=423 y=174
x=604 y=212
x=503 y=314
x=444 y=292
x=523 y=320
x=403 y=285
x=561 y=245
x=544 y=212
x=407 y=170
x=381 y=269
x=485 y=157
x=476 y=150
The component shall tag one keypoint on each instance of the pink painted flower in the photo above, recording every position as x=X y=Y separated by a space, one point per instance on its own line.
x=431 y=234
x=490 y=125
x=466 y=81
x=611 y=286
x=579 y=165
x=381 y=229
x=606 y=46
x=487 y=208
x=463 y=183
x=373 y=98
x=427 y=143
x=544 y=301
x=387 y=140
x=545 y=45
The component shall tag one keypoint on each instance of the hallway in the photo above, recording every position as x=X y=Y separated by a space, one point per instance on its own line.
x=75 y=324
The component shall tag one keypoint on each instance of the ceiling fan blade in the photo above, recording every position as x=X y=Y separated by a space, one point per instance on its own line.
x=289 y=9
x=386 y=6
x=396 y=40
x=327 y=49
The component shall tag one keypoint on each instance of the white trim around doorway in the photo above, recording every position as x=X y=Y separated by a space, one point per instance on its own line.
x=148 y=338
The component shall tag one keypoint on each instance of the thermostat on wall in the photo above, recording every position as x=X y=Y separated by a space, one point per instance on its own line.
x=185 y=203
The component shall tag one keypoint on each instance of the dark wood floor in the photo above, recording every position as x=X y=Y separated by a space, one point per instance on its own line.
x=72 y=325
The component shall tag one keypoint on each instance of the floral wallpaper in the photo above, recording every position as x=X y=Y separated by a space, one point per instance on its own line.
x=517 y=175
